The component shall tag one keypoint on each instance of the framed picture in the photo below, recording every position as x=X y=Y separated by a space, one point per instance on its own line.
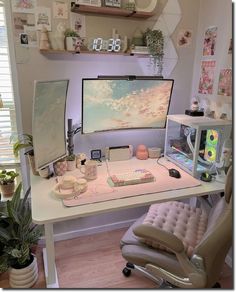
x=97 y=3
x=113 y=3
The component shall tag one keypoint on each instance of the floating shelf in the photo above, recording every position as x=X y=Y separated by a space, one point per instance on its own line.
x=110 y=11
x=91 y=53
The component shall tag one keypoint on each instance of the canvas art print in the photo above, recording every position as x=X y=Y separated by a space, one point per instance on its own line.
x=225 y=82
x=43 y=18
x=60 y=10
x=210 y=41
x=119 y=104
x=207 y=77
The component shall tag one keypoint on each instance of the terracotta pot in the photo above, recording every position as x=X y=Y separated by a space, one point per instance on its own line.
x=25 y=277
x=60 y=167
x=32 y=164
x=8 y=190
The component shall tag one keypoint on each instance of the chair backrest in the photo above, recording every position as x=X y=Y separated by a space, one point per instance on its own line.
x=217 y=239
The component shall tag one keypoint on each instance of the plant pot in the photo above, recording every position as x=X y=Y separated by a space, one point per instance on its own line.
x=71 y=165
x=73 y=44
x=25 y=277
x=60 y=167
x=7 y=190
x=44 y=172
x=32 y=164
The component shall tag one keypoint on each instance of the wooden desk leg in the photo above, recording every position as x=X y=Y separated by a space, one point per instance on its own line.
x=49 y=258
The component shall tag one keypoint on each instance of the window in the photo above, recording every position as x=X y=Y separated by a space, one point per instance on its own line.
x=7 y=106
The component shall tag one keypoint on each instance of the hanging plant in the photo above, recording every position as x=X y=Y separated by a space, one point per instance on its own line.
x=155 y=44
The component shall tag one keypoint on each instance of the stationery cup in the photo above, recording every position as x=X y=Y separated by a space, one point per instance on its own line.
x=89 y=169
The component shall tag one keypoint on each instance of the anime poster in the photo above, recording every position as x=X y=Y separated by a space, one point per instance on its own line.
x=210 y=41
x=78 y=24
x=207 y=77
x=225 y=82
x=23 y=6
x=60 y=10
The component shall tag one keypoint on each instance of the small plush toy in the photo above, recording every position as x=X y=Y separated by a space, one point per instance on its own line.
x=80 y=160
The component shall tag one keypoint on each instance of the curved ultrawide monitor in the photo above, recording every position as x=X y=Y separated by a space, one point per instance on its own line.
x=115 y=103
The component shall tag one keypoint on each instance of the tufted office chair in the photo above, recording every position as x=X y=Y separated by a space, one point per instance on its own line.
x=180 y=244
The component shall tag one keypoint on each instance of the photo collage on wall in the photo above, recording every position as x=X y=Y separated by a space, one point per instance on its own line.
x=28 y=18
x=208 y=67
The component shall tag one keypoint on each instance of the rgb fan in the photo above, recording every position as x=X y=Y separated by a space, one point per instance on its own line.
x=210 y=153
x=212 y=137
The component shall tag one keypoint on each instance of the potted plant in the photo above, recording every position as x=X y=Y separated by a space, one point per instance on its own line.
x=7 y=182
x=18 y=237
x=155 y=43
x=25 y=141
x=71 y=163
x=73 y=40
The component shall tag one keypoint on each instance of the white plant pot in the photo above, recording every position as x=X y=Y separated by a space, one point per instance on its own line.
x=71 y=165
x=24 y=278
x=73 y=44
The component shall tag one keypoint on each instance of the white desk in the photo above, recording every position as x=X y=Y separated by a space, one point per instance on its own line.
x=47 y=209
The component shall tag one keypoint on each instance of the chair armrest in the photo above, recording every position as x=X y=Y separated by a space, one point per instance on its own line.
x=162 y=237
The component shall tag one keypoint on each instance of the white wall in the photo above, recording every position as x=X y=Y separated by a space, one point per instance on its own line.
x=32 y=65
x=214 y=13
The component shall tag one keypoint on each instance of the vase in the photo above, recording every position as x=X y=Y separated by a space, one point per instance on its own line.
x=7 y=190
x=44 y=172
x=25 y=277
x=60 y=167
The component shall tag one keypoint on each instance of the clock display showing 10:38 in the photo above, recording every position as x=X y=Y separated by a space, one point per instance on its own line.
x=110 y=45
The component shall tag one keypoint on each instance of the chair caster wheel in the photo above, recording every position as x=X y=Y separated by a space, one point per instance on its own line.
x=126 y=272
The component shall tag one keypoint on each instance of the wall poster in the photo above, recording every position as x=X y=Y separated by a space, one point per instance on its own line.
x=210 y=41
x=23 y=6
x=225 y=82
x=207 y=77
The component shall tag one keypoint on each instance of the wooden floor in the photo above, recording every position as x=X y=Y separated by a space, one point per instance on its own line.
x=95 y=261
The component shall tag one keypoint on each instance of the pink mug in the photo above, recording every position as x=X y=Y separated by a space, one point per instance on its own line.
x=89 y=169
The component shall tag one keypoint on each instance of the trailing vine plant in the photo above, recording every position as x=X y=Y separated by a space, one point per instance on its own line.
x=155 y=44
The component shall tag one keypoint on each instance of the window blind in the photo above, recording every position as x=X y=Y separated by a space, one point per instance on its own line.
x=7 y=106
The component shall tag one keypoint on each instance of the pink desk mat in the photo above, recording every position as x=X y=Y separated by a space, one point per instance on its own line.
x=100 y=191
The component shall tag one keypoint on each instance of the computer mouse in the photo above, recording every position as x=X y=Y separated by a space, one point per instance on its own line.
x=174 y=173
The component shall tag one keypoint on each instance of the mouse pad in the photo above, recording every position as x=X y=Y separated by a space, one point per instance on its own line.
x=99 y=190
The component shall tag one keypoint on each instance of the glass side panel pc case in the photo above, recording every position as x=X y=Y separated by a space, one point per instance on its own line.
x=120 y=103
x=195 y=143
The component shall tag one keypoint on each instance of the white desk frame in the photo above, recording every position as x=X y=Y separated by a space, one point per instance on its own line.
x=46 y=210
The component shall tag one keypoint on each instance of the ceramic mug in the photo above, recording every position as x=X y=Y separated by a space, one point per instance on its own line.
x=89 y=169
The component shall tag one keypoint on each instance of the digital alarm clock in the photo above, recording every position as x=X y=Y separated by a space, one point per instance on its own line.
x=109 y=45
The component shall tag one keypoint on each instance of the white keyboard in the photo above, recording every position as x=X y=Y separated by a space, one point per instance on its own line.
x=137 y=176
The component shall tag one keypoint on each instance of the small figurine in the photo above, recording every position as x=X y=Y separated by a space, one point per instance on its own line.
x=142 y=152
x=80 y=159
x=195 y=106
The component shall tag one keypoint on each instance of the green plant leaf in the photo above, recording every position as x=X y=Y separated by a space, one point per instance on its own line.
x=4 y=235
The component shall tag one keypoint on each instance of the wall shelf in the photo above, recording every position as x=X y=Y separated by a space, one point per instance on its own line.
x=45 y=52
x=110 y=11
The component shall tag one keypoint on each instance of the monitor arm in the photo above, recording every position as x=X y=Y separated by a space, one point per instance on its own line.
x=70 y=135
